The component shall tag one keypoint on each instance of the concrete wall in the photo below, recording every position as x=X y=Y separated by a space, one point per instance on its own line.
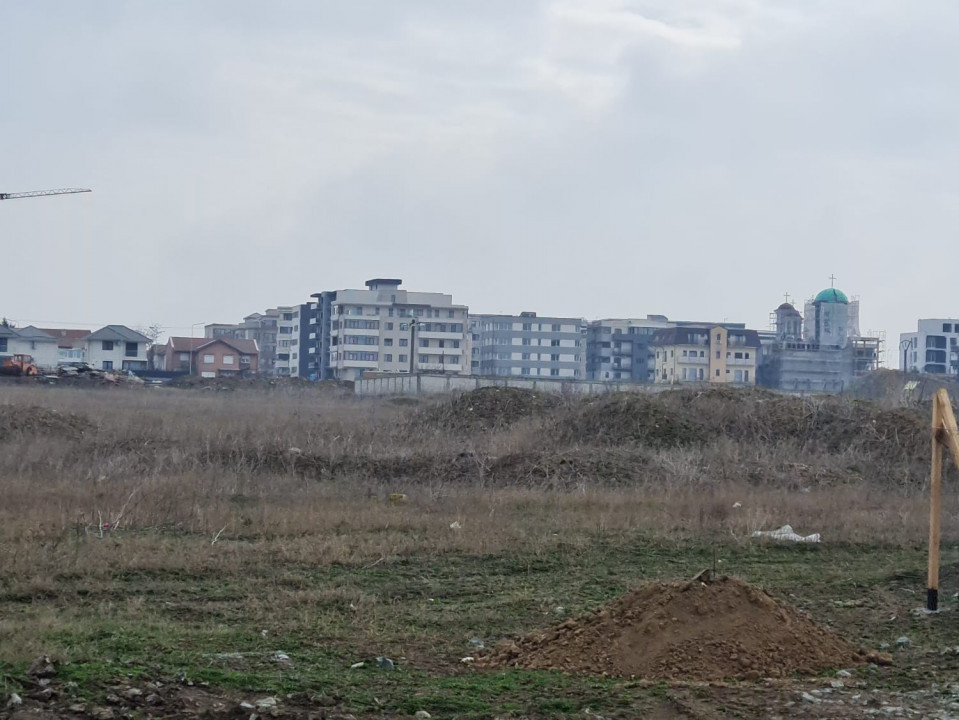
x=439 y=384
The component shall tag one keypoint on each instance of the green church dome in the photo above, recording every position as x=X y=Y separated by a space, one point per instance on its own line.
x=832 y=295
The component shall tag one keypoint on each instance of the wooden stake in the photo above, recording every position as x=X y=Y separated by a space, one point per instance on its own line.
x=935 y=498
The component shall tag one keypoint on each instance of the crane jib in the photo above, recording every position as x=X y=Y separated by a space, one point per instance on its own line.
x=42 y=193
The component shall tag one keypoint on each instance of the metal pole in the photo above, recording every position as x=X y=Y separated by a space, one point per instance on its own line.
x=412 y=343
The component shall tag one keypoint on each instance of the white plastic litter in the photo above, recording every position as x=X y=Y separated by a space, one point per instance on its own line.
x=786 y=533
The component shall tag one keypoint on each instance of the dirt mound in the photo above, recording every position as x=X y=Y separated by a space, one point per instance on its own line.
x=488 y=408
x=683 y=631
x=20 y=421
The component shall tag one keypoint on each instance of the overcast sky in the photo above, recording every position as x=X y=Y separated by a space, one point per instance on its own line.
x=596 y=158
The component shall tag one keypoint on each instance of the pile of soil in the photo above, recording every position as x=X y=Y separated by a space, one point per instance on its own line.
x=488 y=408
x=684 y=631
x=18 y=421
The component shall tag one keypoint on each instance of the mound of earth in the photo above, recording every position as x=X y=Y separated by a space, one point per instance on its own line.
x=683 y=631
x=27 y=420
x=487 y=408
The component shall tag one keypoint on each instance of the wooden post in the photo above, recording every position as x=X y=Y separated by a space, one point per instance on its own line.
x=935 y=499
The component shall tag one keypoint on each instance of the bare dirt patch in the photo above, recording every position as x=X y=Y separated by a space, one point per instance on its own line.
x=684 y=631
x=26 y=420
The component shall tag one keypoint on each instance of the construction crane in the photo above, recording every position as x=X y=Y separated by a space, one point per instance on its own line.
x=42 y=193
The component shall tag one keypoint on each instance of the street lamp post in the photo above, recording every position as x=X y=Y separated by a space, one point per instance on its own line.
x=412 y=344
x=190 y=349
x=904 y=345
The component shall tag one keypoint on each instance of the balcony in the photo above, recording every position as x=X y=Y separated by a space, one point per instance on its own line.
x=433 y=335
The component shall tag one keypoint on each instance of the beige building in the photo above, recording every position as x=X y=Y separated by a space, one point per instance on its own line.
x=706 y=354
x=386 y=329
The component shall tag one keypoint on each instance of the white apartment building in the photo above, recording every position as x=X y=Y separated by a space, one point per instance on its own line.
x=933 y=348
x=287 y=341
x=386 y=329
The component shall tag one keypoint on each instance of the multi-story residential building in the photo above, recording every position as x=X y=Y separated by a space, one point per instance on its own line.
x=933 y=348
x=222 y=356
x=386 y=329
x=116 y=347
x=726 y=354
x=276 y=333
x=528 y=345
x=619 y=350
x=286 y=363
x=38 y=344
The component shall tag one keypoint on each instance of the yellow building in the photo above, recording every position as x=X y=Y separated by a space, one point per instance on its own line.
x=706 y=354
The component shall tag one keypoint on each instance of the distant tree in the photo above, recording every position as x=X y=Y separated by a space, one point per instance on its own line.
x=153 y=332
x=6 y=323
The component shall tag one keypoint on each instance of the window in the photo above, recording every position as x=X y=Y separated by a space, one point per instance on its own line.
x=107 y=344
x=719 y=337
x=450 y=313
x=717 y=357
x=403 y=358
x=184 y=357
x=525 y=356
x=747 y=356
x=745 y=375
x=554 y=343
x=554 y=358
x=527 y=327
x=208 y=359
x=3 y=344
x=728 y=355
x=424 y=343
x=527 y=341
x=554 y=372
x=130 y=349
x=947 y=327
x=556 y=327
x=701 y=374
x=404 y=327
x=739 y=356
x=738 y=376
x=456 y=344
x=228 y=359
x=388 y=358
x=108 y=364
x=404 y=342
x=684 y=374
x=684 y=353
x=424 y=359
x=388 y=342
x=717 y=373
x=524 y=371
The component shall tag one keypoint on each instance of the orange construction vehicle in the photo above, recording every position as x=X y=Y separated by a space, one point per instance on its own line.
x=18 y=365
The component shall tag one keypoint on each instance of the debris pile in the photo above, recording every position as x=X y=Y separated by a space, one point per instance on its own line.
x=488 y=408
x=18 y=421
x=695 y=631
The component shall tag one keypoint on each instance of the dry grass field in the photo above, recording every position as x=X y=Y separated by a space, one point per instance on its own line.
x=212 y=548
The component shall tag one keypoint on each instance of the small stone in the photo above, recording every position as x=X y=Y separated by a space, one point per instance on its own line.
x=246 y=706
x=266 y=703
x=41 y=667
x=837 y=684
x=883 y=646
x=903 y=641
x=467 y=660
x=113 y=699
x=422 y=715
x=133 y=693
x=154 y=699
x=43 y=695
x=102 y=713
x=14 y=701
x=384 y=663
x=844 y=674
x=477 y=643
x=77 y=708
x=559 y=610
x=357 y=665
x=810 y=698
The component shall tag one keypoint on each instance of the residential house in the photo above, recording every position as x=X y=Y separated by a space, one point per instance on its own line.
x=527 y=345
x=710 y=353
x=116 y=347
x=71 y=344
x=29 y=341
x=208 y=357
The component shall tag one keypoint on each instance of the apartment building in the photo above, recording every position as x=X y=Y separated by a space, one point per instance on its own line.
x=527 y=345
x=725 y=354
x=387 y=329
x=620 y=350
x=933 y=348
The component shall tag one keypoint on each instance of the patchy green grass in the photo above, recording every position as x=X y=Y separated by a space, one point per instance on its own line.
x=225 y=628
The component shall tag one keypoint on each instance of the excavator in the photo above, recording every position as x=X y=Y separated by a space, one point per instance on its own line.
x=18 y=365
